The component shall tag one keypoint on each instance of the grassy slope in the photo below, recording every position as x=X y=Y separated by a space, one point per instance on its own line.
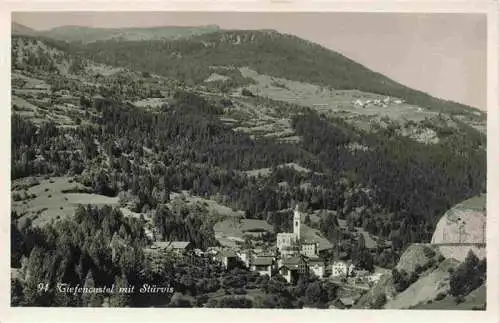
x=53 y=198
x=475 y=300
x=426 y=288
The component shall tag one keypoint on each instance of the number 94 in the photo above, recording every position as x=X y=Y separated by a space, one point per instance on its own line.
x=43 y=287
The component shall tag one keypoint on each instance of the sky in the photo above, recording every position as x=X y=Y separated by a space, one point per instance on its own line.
x=441 y=54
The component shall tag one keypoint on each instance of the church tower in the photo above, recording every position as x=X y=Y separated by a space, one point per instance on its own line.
x=296 y=223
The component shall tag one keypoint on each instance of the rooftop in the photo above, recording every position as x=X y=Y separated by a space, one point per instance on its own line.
x=171 y=244
x=263 y=261
x=348 y=301
x=308 y=241
x=292 y=261
x=228 y=253
x=316 y=261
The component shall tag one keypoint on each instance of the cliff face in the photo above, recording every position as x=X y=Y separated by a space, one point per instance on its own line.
x=461 y=227
x=464 y=223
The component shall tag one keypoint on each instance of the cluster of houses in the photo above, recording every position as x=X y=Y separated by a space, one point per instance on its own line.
x=382 y=103
x=291 y=257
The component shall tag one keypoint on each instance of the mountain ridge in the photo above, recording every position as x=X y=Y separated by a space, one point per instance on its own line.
x=268 y=52
x=86 y=34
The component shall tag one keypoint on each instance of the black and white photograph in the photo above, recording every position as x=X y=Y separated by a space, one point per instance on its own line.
x=248 y=160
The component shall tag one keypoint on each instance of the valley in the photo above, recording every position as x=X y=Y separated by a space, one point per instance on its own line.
x=129 y=143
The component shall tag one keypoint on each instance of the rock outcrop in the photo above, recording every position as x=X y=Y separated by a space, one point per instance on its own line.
x=461 y=229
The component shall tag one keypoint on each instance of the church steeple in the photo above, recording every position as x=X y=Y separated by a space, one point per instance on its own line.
x=296 y=223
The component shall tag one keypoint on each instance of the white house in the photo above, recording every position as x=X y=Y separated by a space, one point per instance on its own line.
x=358 y=103
x=284 y=240
x=228 y=258
x=375 y=277
x=245 y=256
x=342 y=269
x=262 y=265
x=317 y=267
x=309 y=249
x=291 y=268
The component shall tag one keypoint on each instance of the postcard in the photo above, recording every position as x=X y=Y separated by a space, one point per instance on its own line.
x=327 y=161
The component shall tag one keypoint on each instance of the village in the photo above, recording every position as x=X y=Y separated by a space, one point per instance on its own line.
x=382 y=103
x=291 y=256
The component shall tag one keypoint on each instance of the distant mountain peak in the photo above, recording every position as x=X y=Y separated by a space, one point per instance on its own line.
x=18 y=29
x=86 y=34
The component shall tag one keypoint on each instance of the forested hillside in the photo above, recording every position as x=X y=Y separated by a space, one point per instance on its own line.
x=414 y=182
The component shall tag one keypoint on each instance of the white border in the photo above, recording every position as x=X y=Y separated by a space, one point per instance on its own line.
x=490 y=8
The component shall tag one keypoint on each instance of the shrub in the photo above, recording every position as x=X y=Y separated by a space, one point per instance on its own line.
x=469 y=276
x=379 y=301
x=239 y=291
x=429 y=253
x=440 y=296
x=247 y=92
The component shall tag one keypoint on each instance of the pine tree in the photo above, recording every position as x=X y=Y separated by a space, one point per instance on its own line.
x=91 y=299
x=120 y=297
x=33 y=291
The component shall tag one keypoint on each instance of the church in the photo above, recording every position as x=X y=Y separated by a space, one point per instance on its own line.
x=290 y=244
